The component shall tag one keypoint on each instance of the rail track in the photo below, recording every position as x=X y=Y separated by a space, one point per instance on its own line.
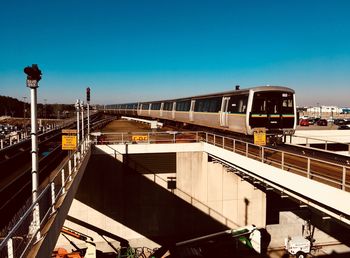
x=15 y=169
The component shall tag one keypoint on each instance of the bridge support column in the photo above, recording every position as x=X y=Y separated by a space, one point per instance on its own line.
x=222 y=194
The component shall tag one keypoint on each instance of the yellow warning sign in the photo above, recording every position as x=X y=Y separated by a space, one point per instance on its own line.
x=69 y=142
x=139 y=138
x=69 y=131
x=260 y=136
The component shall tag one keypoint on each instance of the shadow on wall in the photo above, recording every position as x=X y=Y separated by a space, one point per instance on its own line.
x=275 y=204
x=131 y=199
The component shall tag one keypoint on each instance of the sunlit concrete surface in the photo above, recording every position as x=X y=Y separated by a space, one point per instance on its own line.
x=320 y=136
x=207 y=186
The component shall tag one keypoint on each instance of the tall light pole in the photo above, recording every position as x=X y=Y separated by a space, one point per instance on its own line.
x=33 y=77
x=24 y=107
x=45 y=101
x=77 y=106
x=82 y=120
x=88 y=111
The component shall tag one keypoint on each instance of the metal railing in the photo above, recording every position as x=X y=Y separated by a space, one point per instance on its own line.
x=307 y=141
x=17 y=239
x=146 y=137
x=330 y=173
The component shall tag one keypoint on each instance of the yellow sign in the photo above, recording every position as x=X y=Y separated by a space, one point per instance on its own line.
x=69 y=142
x=69 y=131
x=139 y=138
x=260 y=136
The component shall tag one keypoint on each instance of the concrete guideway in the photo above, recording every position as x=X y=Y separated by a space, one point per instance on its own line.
x=53 y=201
x=304 y=189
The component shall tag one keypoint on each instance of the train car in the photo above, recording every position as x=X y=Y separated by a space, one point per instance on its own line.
x=241 y=111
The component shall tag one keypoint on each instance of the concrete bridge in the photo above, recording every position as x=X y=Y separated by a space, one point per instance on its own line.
x=127 y=195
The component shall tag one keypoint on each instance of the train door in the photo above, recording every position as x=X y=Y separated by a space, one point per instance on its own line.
x=139 y=109
x=223 y=112
x=173 y=110
x=161 y=109
x=192 y=110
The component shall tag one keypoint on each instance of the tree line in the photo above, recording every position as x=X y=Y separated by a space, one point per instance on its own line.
x=15 y=108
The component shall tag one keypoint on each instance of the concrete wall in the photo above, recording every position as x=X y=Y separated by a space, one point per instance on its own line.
x=222 y=194
x=133 y=206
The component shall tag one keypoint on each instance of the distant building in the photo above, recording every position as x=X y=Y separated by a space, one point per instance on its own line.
x=346 y=110
x=324 y=110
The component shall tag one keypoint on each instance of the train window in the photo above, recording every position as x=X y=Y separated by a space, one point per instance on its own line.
x=238 y=104
x=199 y=106
x=168 y=106
x=215 y=104
x=183 y=105
x=208 y=105
x=287 y=103
x=155 y=106
x=272 y=103
x=130 y=106
x=145 y=106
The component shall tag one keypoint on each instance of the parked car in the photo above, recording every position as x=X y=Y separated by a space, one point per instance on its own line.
x=304 y=122
x=311 y=121
x=322 y=122
x=343 y=127
x=339 y=121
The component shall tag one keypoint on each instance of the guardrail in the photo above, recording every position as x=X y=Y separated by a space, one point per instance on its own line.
x=330 y=173
x=333 y=174
x=307 y=141
x=18 y=238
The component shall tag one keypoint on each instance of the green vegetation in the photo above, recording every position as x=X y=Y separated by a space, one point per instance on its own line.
x=15 y=108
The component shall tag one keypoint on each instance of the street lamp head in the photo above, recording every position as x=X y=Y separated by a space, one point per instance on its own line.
x=33 y=75
x=77 y=104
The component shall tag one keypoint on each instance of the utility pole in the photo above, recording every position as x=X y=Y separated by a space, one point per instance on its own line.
x=82 y=120
x=88 y=112
x=33 y=77
x=45 y=101
x=24 y=107
x=77 y=106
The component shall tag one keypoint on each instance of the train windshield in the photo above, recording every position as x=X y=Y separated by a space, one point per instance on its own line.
x=273 y=102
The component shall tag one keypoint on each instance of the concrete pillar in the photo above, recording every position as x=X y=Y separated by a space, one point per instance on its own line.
x=223 y=195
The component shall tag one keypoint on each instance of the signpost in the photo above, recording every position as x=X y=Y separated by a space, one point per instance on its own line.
x=69 y=139
x=139 y=138
x=69 y=142
x=260 y=136
x=88 y=112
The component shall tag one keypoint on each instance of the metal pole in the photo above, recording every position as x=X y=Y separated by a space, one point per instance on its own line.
x=88 y=121
x=35 y=163
x=78 y=121
x=82 y=120
x=34 y=130
x=24 y=107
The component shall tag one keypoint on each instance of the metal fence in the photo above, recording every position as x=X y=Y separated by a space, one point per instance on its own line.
x=330 y=173
x=19 y=238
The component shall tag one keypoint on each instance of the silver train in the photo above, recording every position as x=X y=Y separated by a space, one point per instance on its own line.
x=241 y=111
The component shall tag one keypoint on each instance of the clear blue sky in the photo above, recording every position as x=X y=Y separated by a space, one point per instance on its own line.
x=129 y=50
